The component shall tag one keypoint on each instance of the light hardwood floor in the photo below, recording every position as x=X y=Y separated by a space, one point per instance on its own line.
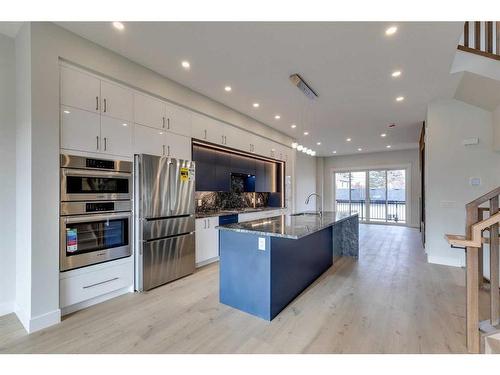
x=389 y=301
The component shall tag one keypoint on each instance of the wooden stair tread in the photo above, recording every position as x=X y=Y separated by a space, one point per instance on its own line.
x=457 y=240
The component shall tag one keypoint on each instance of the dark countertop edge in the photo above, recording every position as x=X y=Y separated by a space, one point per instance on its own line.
x=202 y=215
x=279 y=235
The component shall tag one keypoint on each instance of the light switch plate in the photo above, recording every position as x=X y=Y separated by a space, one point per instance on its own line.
x=475 y=181
x=262 y=243
x=470 y=141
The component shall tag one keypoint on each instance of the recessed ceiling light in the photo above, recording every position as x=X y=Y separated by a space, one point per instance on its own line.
x=294 y=145
x=186 y=64
x=300 y=147
x=348 y=139
x=118 y=25
x=400 y=98
x=360 y=149
x=124 y=124
x=313 y=153
x=277 y=117
x=293 y=126
x=66 y=112
x=304 y=150
x=318 y=143
x=334 y=152
x=388 y=146
x=228 y=88
x=396 y=73
x=256 y=105
x=306 y=133
x=391 y=30
x=383 y=135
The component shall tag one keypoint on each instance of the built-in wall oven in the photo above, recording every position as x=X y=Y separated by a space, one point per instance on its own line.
x=95 y=211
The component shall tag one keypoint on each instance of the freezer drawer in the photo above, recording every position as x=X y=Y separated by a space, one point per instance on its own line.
x=167 y=259
x=158 y=228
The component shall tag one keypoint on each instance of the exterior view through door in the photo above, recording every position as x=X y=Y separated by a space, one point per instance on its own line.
x=377 y=195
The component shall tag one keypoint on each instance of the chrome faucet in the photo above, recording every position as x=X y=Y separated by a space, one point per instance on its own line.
x=319 y=196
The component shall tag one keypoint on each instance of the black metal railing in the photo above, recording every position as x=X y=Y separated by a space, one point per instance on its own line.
x=390 y=211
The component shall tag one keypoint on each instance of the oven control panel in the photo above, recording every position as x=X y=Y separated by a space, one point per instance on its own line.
x=100 y=164
x=99 y=206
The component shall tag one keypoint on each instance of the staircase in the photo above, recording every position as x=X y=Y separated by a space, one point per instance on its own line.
x=476 y=226
x=481 y=38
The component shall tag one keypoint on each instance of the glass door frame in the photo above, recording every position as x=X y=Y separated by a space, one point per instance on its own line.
x=406 y=167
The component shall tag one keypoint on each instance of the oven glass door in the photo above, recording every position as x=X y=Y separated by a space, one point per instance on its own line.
x=94 y=239
x=76 y=185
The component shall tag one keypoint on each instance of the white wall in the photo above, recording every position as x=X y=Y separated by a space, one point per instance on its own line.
x=386 y=159
x=450 y=165
x=305 y=182
x=7 y=175
x=41 y=45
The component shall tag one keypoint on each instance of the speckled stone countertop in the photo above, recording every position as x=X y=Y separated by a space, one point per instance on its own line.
x=289 y=226
x=201 y=215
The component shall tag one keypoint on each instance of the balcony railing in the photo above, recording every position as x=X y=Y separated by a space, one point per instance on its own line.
x=481 y=38
x=380 y=211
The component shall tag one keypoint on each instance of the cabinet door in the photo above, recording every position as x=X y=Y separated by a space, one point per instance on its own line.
x=149 y=111
x=178 y=120
x=80 y=130
x=117 y=101
x=148 y=140
x=116 y=137
x=205 y=169
x=207 y=240
x=80 y=90
x=178 y=146
x=207 y=129
x=222 y=172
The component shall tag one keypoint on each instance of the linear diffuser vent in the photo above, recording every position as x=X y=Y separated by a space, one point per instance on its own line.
x=303 y=86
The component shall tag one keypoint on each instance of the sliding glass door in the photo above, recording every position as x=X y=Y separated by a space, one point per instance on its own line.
x=377 y=195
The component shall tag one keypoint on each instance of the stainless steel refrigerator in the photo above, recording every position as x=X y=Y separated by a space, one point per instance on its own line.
x=164 y=219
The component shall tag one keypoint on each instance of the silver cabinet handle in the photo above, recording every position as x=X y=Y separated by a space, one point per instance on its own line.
x=97 y=141
x=96 y=103
x=222 y=139
x=163 y=148
x=163 y=122
x=204 y=223
x=168 y=124
x=168 y=150
x=105 y=106
x=205 y=137
x=102 y=282
x=105 y=143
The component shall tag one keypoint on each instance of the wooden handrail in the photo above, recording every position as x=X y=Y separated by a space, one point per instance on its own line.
x=484 y=198
x=475 y=239
x=481 y=38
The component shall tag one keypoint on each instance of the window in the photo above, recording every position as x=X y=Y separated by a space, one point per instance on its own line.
x=376 y=195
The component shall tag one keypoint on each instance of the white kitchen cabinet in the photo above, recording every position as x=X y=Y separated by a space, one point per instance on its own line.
x=117 y=101
x=177 y=146
x=148 y=140
x=178 y=120
x=207 y=129
x=207 y=241
x=149 y=111
x=80 y=130
x=116 y=137
x=80 y=90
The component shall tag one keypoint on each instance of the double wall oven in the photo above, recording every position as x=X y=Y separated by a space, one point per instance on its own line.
x=95 y=212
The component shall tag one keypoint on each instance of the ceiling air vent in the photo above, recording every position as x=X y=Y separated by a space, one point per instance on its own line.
x=303 y=86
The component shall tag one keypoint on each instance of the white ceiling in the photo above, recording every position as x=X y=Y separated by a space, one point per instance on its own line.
x=348 y=64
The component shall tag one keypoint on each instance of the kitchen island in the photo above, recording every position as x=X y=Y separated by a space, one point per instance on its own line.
x=266 y=263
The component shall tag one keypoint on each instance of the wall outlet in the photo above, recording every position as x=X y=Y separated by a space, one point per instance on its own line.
x=199 y=202
x=475 y=181
x=470 y=141
x=262 y=243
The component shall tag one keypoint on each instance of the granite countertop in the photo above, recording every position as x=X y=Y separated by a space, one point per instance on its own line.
x=289 y=226
x=201 y=215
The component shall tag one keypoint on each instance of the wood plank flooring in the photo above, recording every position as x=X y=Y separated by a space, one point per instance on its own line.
x=389 y=301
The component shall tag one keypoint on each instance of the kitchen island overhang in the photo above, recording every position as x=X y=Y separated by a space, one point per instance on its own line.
x=266 y=263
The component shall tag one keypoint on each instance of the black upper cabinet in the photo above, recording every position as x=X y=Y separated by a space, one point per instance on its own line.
x=214 y=168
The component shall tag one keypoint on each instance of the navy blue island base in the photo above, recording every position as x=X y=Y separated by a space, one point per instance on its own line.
x=266 y=263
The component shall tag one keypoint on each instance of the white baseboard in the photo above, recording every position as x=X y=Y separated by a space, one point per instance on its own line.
x=7 y=308
x=93 y=301
x=445 y=261
x=206 y=262
x=38 y=322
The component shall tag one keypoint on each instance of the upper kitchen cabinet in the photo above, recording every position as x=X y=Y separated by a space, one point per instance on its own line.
x=149 y=111
x=178 y=120
x=117 y=101
x=80 y=90
x=80 y=130
x=116 y=137
x=148 y=140
x=207 y=129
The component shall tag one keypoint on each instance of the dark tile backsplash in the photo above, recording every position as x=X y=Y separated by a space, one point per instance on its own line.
x=214 y=201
